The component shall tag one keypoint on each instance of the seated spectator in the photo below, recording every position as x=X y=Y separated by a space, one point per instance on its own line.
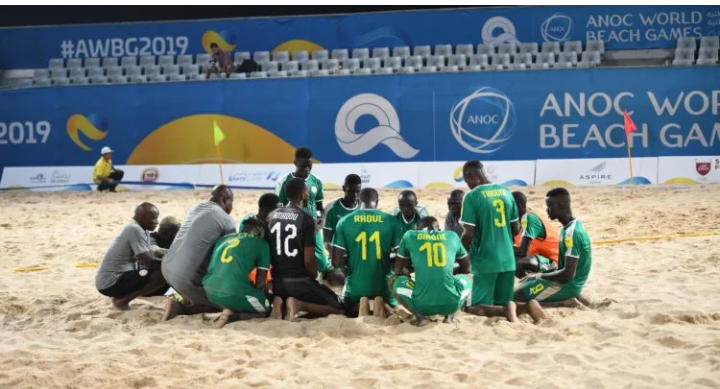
x=105 y=174
x=221 y=61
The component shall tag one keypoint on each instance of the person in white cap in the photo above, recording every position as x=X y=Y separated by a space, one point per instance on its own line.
x=105 y=174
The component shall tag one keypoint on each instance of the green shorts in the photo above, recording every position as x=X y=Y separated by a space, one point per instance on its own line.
x=493 y=288
x=547 y=291
x=243 y=301
x=321 y=257
x=350 y=298
x=403 y=288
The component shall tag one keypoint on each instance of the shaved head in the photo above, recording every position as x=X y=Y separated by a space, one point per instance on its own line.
x=146 y=215
x=222 y=195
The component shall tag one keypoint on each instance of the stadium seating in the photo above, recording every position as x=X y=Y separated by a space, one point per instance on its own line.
x=184 y=60
x=422 y=51
x=529 y=48
x=486 y=48
x=384 y=71
x=444 y=50
x=551 y=47
x=401 y=51
x=280 y=56
x=393 y=63
x=300 y=73
x=320 y=55
x=523 y=58
x=290 y=66
x=415 y=61
x=507 y=48
x=238 y=76
x=341 y=72
x=480 y=60
x=465 y=49
x=354 y=63
x=300 y=56
x=261 y=56
x=79 y=80
x=381 y=52
x=595 y=45
x=92 y=63
x=572 y=47
x=340 y=54
x=361 y=53
x=687 y=43
x=459 y=60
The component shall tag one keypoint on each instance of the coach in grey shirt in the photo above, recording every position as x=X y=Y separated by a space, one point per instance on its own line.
x=452 y=219
x=186 y=263
x=120 y=275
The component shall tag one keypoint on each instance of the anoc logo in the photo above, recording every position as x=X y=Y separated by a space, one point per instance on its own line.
x=483 y=121
x=225 y=40
x=556 y=28
x=150 y=175
x=93 y=127
x=386 y=132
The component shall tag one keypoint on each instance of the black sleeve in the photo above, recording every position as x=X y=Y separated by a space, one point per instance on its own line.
x=308 y=231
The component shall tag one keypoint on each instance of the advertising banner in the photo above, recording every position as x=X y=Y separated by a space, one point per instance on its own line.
x=689 y=170
x=595 y=172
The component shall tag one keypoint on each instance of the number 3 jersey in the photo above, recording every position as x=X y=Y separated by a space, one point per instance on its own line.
x=288 y=231
x=491 y=209
x=367 y=236
x=433 y=255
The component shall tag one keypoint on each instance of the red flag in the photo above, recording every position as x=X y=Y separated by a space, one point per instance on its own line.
x=629 y=125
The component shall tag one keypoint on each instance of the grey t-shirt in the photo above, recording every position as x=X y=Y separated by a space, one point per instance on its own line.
x=190 y=252
x=453 y=224
x=121 y=256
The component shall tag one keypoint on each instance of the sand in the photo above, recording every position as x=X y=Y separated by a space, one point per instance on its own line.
x=661 y=330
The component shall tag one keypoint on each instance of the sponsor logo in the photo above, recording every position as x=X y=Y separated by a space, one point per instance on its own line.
x=225 y=40
x=365 y=176
x=703 y=166
x=499 y=30
x=556 y=28
x=387 y=131
x=150 y=175
x=260 y=176
x=60 y=177
x=38 y=179
x=596 y=175
x=483 y=121
x=489 y=173
x=93 y=127
x=717 y=163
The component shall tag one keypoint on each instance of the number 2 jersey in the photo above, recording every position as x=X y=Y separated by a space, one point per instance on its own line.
x=288 y=231
x=491 y=209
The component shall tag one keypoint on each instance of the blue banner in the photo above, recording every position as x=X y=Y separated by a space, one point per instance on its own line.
x=557 y=114
x=621 y=27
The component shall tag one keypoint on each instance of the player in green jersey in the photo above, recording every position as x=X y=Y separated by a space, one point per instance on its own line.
x=435 y=291
x=226 y=281
x=366 y=237
x=341 y=207
x=490 y=220
x=575 y=260
x=303 y=167
x=266 y=204
x=408 y=212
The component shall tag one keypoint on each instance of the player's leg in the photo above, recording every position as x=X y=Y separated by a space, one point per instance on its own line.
x=132 y=285
x=504 y=293
x=277 y=308
x=525 y=265
x=246 y=303
x=483 y=292
x=310 y=296
x=364 y=307
x=188 y=299
x=403 y=288
x=351 y=303
x=294 y=306
x=379 y=307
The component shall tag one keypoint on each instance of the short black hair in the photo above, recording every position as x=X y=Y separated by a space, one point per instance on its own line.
x=268 y=200
x=213 y=45
x=427 y=222
x=473 y=165
x=253 y=224
x=294 y=188
x=407 y=193
x=353 y=179
x=519 y=197
x=369 y=195
x=558 y=192
x=303 y=152
x=457 y=192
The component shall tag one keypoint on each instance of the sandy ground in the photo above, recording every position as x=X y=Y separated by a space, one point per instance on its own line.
x=662 y=330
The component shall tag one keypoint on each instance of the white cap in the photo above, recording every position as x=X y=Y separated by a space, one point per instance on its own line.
x=105 y=150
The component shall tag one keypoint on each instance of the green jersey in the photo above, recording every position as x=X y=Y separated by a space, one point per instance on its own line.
x=409 y=225
x=334 y=212
x=234 y=257
x=491 y=209
x=241 y=225
x=316 y=192
x=532 y=226
x=433 y=255
x=367 y=236
x=574 y=240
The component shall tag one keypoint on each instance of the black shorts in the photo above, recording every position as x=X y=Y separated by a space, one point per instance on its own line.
x=128 y=282
x=307 y=290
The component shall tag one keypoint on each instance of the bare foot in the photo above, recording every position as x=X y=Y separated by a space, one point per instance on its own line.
x=277 y=308
x=364 y=309
x=449 y=319
x=172 y=309
x=292 y=309
x=120 y=304
x=511 y=312
x=379 y=307
x=536 y=312
x=421 y=321
x=223 y=319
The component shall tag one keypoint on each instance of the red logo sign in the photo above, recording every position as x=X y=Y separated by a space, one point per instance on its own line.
x=703 y=166
x=150 y=175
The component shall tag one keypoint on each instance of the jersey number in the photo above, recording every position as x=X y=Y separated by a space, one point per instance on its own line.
x=499 y=208
x=375 y=237
x=437 y=257
x=292 y=230
x=232 y=243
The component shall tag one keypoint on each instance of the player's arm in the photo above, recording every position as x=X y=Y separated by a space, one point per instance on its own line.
x=328 y=228
x=308 y=240
x=530 y=231
x=263 y=264
x=319 y=201
x=462 y=258
x=338 y=246
x=140 y=246
x=468 y=220
x=401 y=261
x=148 y=260
x=513 y=216
x=563 y=275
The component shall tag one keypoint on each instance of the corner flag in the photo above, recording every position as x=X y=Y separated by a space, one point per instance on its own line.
x=629 y=125
x=218 y=133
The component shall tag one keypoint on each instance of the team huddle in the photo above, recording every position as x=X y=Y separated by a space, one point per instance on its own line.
x=284 y=261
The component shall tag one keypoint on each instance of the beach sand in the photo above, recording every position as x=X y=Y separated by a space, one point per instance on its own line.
x=661 y=330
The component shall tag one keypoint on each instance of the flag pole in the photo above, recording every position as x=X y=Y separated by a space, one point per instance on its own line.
x=632 y=180
x=222 y=178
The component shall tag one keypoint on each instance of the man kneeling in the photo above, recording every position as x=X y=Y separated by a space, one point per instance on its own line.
x=435 y=291
x=226 y=282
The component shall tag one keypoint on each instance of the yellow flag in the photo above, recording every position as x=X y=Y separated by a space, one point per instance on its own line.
x=219 y=135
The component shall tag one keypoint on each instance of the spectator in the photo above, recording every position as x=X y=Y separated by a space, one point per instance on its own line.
x=105 y=174
x=221 y=61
